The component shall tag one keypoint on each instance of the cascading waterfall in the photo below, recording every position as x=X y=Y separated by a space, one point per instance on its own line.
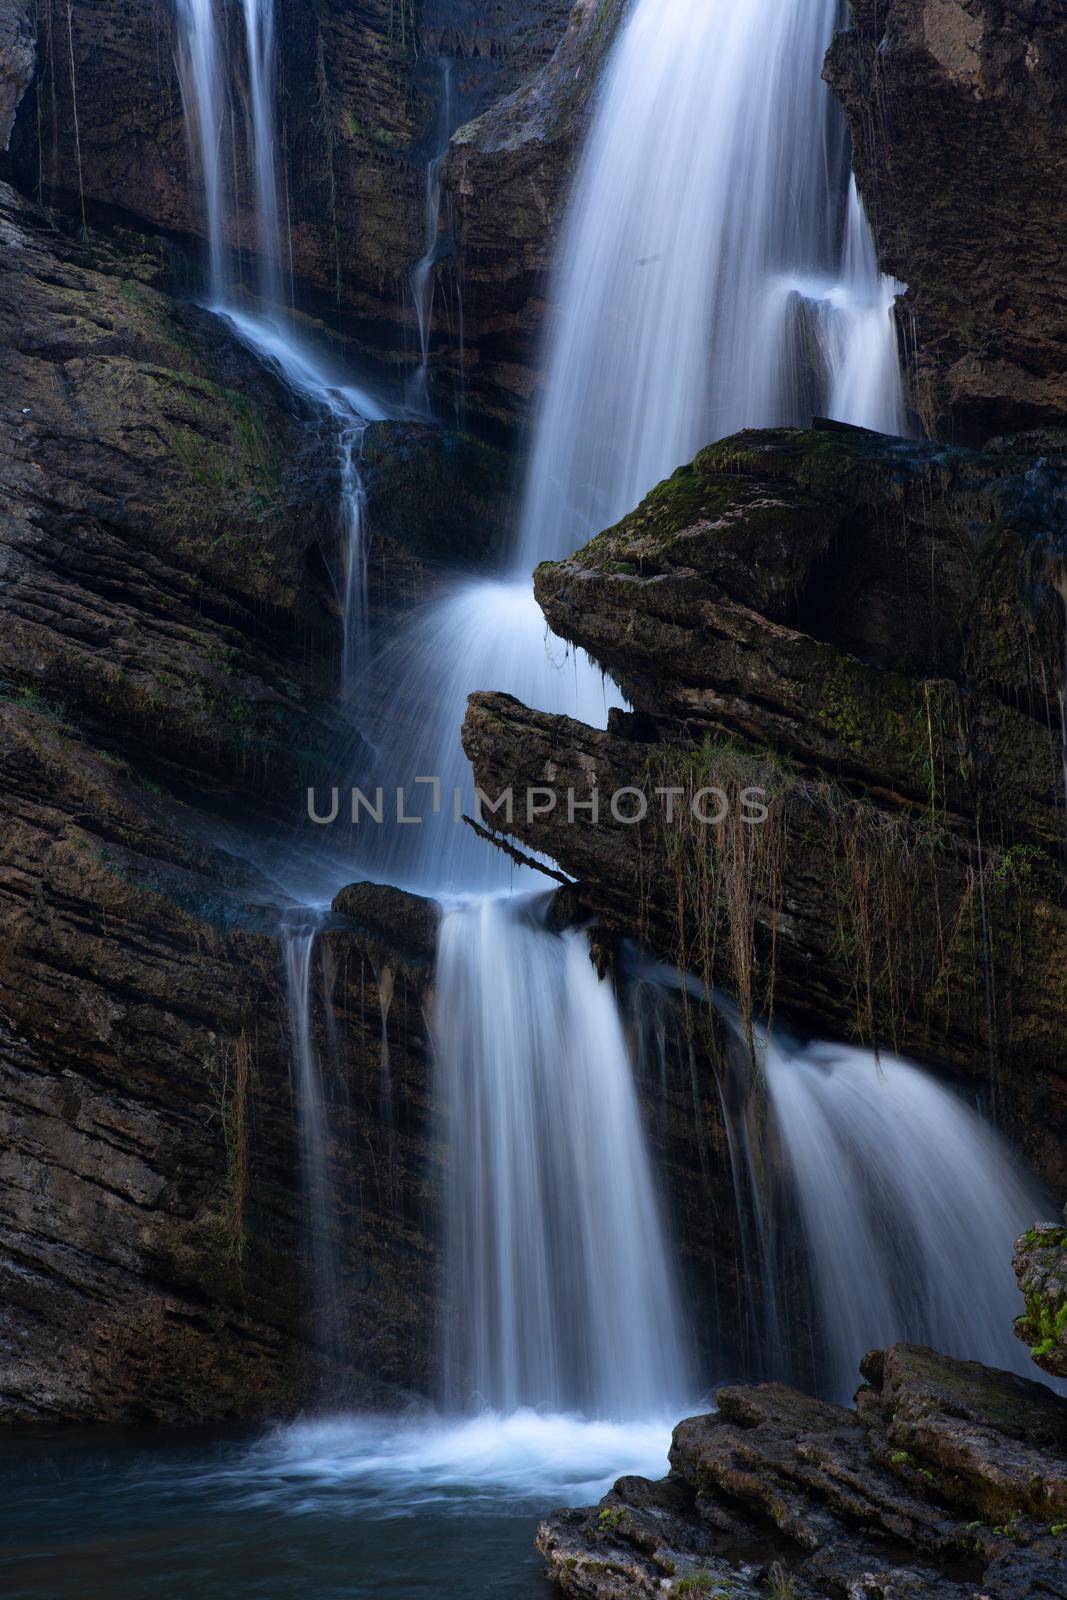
x=740 y=287
x=560 y=1288
x=709 y=258
x=909 y=1205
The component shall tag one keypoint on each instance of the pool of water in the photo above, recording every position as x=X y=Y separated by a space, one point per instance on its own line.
x=342 y=1506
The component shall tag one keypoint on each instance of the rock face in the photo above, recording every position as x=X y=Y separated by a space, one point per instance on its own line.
x=507 y=177
x=857 y=628
x=949 y=1478
x=1040 y=1263
x=167 y=673
x=17 y=58
x=956 y=109
x=154 y=475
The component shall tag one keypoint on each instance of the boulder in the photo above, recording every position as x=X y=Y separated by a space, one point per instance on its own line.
x=948 y=1478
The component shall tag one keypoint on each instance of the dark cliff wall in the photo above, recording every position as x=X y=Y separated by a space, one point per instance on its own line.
x=957 y=110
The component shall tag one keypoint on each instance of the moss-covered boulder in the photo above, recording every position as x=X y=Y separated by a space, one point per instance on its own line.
x=1040 y=1262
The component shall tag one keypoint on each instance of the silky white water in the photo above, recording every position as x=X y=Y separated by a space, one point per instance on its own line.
x=260 y=55
x=560 y=1288
x=909 y=1203
x=706 y=230
x=475 y=635
x=206 y=106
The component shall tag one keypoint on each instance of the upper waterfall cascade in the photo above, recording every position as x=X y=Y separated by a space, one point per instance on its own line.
x=715 y=273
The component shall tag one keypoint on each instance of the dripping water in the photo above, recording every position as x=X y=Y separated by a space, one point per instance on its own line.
x=299 y=942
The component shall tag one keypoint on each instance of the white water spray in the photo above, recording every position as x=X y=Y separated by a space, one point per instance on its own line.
x=709 y=206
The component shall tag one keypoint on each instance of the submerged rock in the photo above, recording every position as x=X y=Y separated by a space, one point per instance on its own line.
x=948 y=1477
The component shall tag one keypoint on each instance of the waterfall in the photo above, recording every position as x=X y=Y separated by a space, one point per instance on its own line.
x=861 y=351
x=270 y=333
x=472 y=635
x=298 y=949
x=708 y=231
x=259 y=41
x=560 y=1290
x=422 y=274
x=202 y=79
x=909 y=1205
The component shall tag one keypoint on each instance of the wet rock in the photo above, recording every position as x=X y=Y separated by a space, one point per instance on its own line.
x=167 y=524
x=1040 y=1262
x=955 y=111
x=17 y=59
x=407 y=922
x=507 y=178
x=153 y=1242
x=442 y=496
x=945 y=1479
x=167 y=678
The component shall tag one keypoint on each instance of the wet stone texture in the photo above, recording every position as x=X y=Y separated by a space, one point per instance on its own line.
x=948 y=1478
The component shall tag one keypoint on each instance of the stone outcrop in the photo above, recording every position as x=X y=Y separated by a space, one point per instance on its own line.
x=858 y=628
x=507 y=176
x=948 y=1478
x=956 y=109
x=1040 y=1263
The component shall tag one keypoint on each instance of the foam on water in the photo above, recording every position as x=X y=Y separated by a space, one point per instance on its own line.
x=526 y=1456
